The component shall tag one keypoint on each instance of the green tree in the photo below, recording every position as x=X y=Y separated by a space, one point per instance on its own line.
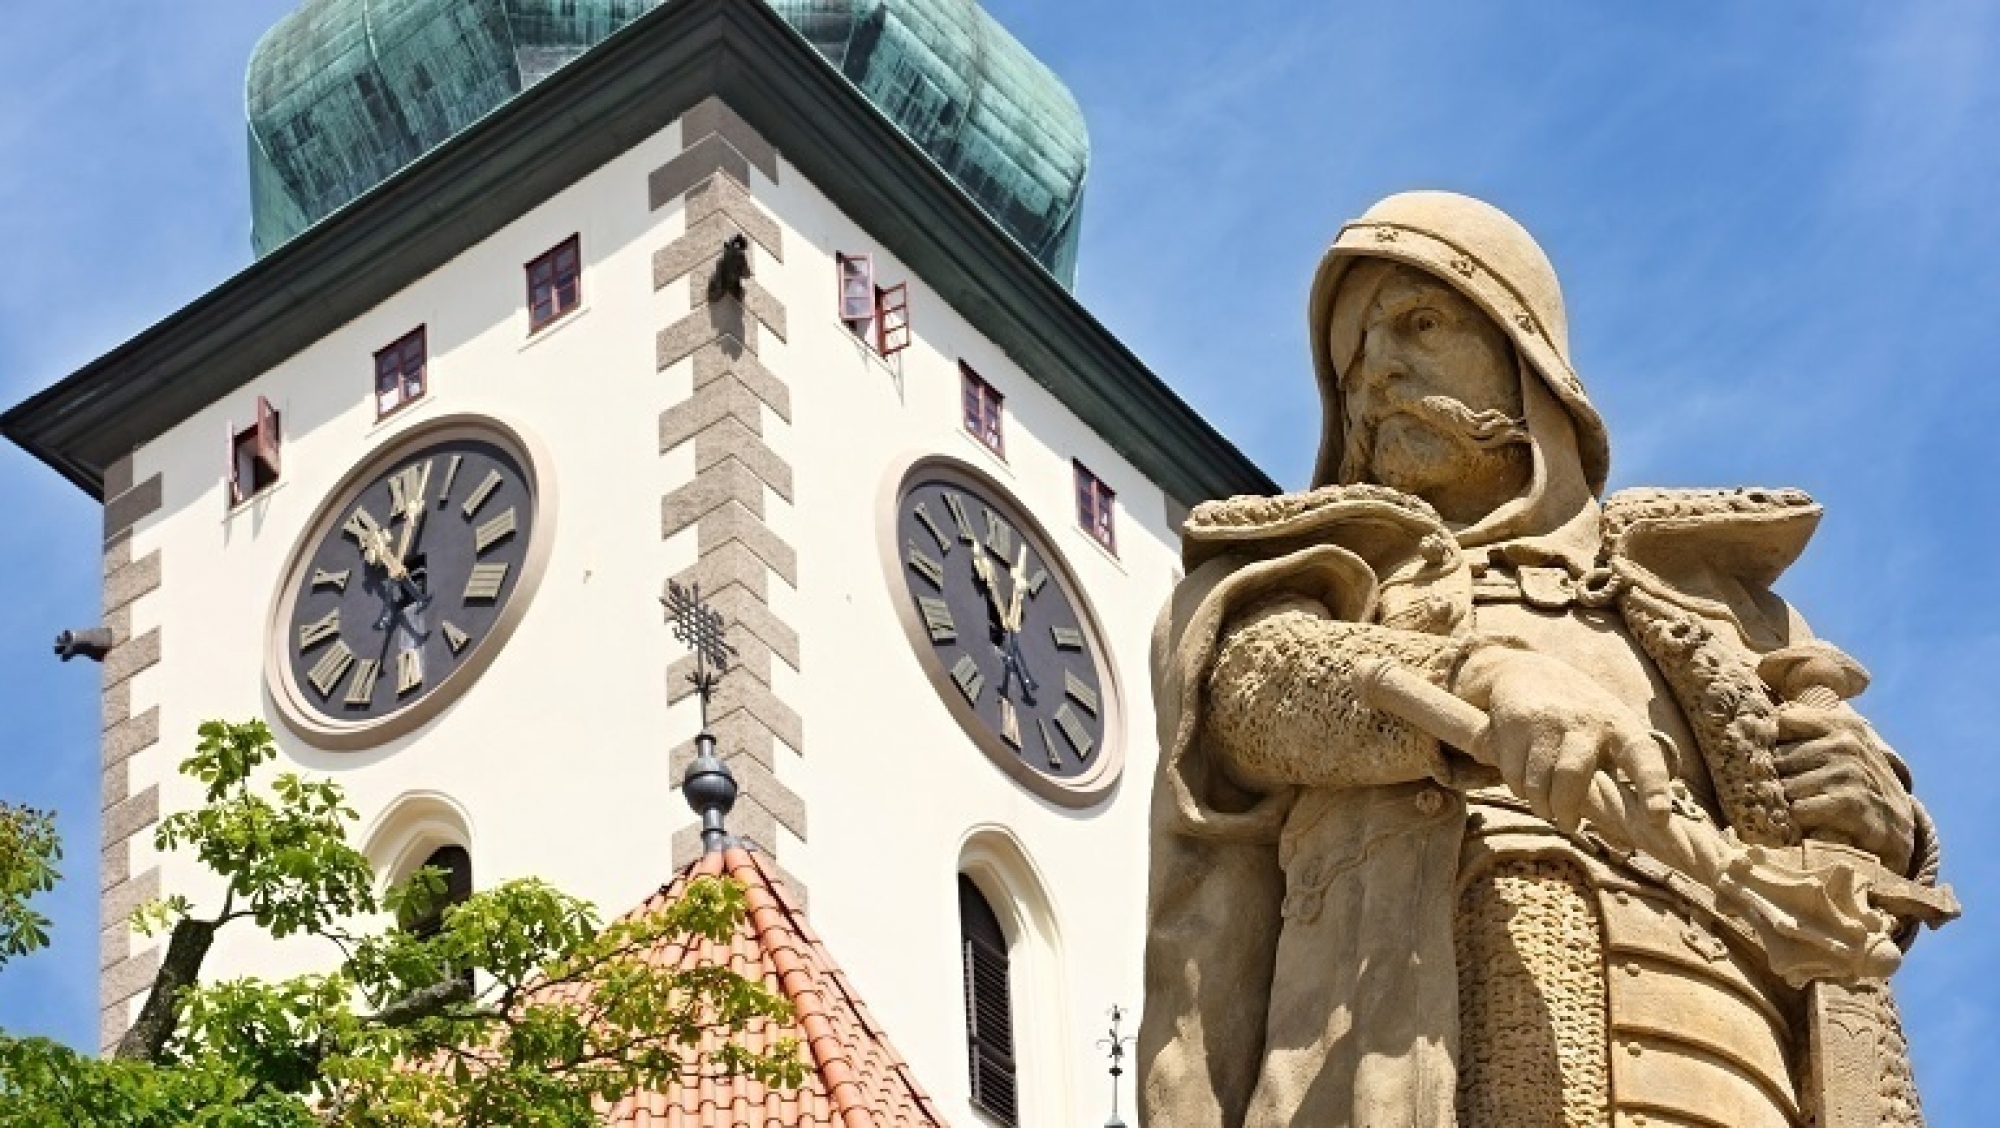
x=521 y=1008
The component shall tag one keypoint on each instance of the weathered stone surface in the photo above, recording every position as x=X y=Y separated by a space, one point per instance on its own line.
x=128 y=508
x=117 y=703
x=742 y=608
x=711 y=116
x=699 y=246
x=727 y=398
x=702 y=159
x=736 y=524
x=129 y=816
x=729 y=438
x=123 y=739
x=114 y=864
x=723 y=322
x=118 y=477
x=715 y=362
x=129 y=978
x=132 y=581
x=722 y=195
x=129 y=658
x=115 y=907
x=759 y=301
x=1403 y=916
x=723 y=565
x=728 y=481
x=755 y=782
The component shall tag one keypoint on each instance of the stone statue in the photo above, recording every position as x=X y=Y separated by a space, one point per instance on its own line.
x=1485 y=803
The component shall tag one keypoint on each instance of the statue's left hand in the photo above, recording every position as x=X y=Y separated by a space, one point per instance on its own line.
x=1842 y=788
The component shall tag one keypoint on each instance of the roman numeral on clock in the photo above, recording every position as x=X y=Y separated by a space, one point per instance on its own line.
x=409 y=671
x=454 y=636
x=1036 y=581
x=335 y=580
x=921 y=563
x=494 y=531
x=1010 y=723
x=326 y=673
x=1067 y=638
x=481 y=492
x=450 y=476
x=1049 y=744
x=1080 y=693
x=924 y=518
x=484 y=582
x=361 y=690
x=1072 y=727
x=959 y=518
x=406 y=487
x=319 y=630
x=999 y=536
x=362 y=526
x=970 y=681
x=937 y=619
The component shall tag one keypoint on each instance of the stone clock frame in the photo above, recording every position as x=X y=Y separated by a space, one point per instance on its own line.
x=281 y=685
x=1087 y=789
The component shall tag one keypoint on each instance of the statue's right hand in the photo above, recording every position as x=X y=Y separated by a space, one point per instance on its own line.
x=1554 y=730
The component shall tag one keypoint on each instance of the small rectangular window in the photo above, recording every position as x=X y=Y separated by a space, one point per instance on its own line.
x=876 y=314
x=1094 y=506
x=982 y=409
x=253 y=462
x=555 y=284
x=399 y=373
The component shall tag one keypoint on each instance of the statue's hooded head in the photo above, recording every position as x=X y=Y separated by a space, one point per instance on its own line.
x=1494 y=267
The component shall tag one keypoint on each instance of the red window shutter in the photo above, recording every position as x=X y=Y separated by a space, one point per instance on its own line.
x=265 y=447
x=857 y=287
x=892 y=306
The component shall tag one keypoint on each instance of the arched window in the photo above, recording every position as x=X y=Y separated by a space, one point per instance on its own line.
x=989 y=1006
x=457 y=867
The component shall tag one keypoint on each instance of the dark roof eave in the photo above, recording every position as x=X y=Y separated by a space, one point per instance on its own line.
x=628 y=87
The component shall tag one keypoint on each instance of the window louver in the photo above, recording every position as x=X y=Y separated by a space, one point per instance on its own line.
x=989 y=1019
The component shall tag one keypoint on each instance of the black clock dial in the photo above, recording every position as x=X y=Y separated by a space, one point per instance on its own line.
x=998 y=616
x=408 y=578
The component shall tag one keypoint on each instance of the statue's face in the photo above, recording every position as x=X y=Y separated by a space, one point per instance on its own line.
x=1433 y=400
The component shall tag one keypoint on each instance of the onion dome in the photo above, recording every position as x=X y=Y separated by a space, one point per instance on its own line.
x=342 y=93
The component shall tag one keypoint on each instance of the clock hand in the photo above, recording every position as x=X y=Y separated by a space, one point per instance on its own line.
x=1018 y=584
x=990 y=585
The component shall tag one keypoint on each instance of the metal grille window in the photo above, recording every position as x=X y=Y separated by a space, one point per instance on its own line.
x=989 y=1013
x=1094 y=506
x=982 y=409
x=399 y=373
x=555 y=284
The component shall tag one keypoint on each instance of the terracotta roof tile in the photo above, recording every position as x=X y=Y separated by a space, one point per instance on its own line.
x=854 y=1079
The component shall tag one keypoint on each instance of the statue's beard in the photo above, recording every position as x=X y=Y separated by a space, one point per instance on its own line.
x=1439 y=442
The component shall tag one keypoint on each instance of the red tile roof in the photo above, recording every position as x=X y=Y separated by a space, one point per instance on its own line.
x=854 y=1078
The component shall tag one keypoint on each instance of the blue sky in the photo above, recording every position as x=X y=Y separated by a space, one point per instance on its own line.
x=1774 y=222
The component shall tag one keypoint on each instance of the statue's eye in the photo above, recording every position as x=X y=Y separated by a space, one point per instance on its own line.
x=1422 y=321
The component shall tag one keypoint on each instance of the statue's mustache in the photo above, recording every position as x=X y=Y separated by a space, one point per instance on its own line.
x=1486 y=430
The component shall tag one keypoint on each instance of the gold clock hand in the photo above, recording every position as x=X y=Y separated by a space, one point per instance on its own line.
x=1018 y=579
x=984 y=568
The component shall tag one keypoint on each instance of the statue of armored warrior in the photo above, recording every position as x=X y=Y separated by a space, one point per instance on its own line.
x=1483 y=802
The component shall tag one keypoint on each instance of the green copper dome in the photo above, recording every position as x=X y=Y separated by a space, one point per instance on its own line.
x=342 y=93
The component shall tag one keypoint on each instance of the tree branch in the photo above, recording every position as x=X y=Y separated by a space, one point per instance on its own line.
x=181 y=968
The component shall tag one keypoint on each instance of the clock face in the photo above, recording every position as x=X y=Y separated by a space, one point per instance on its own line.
x=407 y=582
x=1002 y=628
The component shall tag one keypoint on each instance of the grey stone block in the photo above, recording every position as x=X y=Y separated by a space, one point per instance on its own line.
x=128 y=979
x=731 y=564
x=118 y=477
x=724 y=482
x=699 y=161
x=123 y=739
x=125 y=510
x=712 y=116
x=117 y=703
x=729 y=524
x=723 y=195
x=722 y=399
x=714 y=363
x=727 y=439
x=114 y=908
x=129 y=816
x=129 y=658
x=740 y=607
x=725 y=323
x=132 y=581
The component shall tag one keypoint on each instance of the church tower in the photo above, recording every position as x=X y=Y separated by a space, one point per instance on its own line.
x=558 y=304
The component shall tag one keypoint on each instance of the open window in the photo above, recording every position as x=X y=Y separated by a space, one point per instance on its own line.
x=989 y=1005
x=877 y=315
x=253 y=455
x=400 y=373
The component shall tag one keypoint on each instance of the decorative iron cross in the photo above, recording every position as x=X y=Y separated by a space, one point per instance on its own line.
x=704 y=631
